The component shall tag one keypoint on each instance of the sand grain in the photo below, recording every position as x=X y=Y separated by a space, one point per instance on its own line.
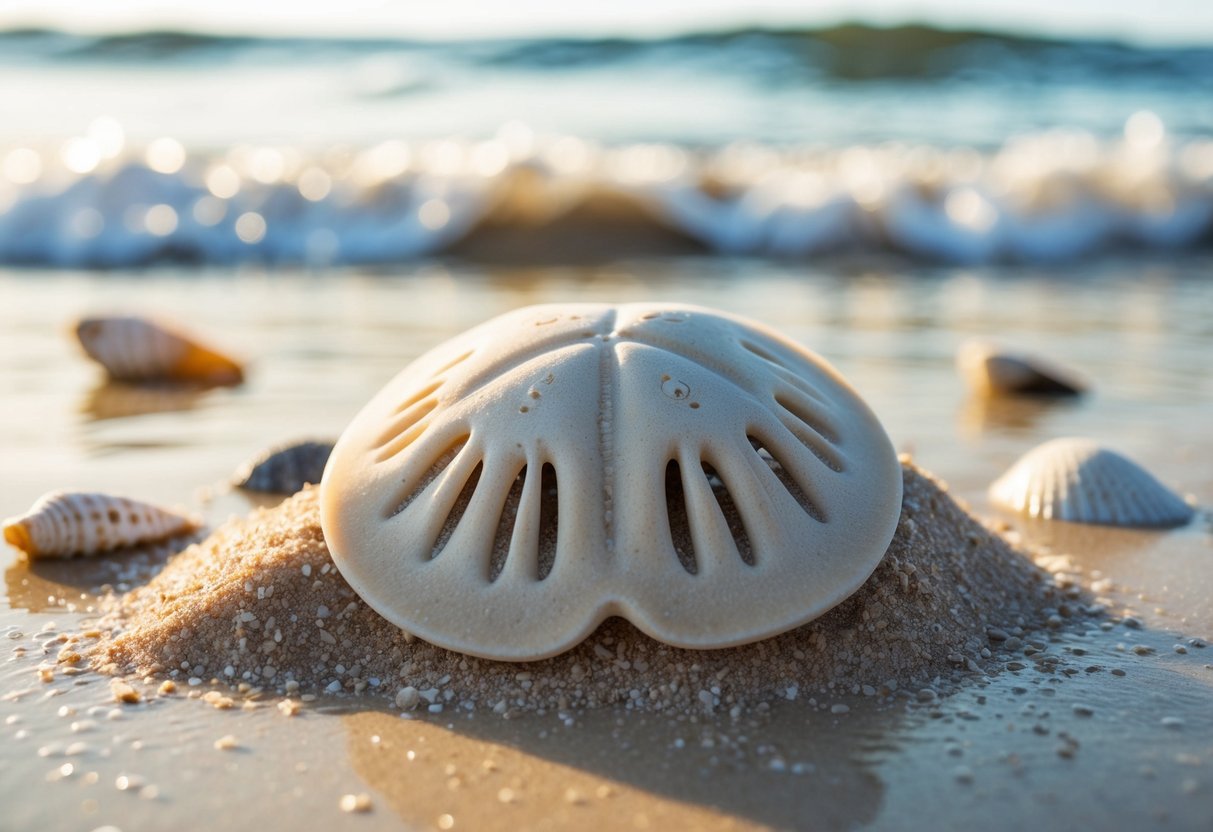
x=261 y=603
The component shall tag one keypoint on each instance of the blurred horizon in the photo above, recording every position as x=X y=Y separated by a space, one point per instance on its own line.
x=1177 y=23
x=1022 y=131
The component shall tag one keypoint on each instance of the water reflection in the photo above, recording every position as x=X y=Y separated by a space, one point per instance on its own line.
x=75 y=584
x=1163 y=573
x=793 y=768
x=1016 y=416
x=117 y=400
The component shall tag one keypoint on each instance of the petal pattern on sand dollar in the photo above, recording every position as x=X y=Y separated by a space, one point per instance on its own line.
x=689 y=470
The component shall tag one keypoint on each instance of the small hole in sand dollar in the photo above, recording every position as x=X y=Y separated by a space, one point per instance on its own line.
x=676 y=390
x=524 y=409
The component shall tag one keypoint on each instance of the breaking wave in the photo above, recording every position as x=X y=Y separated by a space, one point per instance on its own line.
x=1042 y=197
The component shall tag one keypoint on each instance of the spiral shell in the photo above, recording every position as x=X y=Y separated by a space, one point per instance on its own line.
x=990 y=371
x=62 y=525
x=689 y=470
x=140 y=350
x=1080 y=481
x=286 y=468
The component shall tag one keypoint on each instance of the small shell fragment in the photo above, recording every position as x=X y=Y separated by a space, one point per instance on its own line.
x=286 y=468
x=990 y=371
x=140 y=350
x=62 y=525
x=1080 y=481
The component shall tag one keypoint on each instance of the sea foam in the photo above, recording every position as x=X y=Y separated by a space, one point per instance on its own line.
x=1041 y=197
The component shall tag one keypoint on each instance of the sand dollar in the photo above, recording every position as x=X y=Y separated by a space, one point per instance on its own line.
x=692 y=471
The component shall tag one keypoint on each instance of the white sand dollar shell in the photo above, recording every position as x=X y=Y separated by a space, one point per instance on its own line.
x=691 y=471
x=62 y=524
x=991 y=371
x=137 y=349
x=1080 y=481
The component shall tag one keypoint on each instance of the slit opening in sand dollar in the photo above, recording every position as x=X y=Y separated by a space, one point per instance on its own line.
x=679 y=517
x=549 y=521
x=817 y=437
x=458 y=512
x=504 y=544
x=786 y=478
x=765 y=355
x=418 y=396
x=731 y=513
x=406 y=429
x=435 y=470
x=454 y=362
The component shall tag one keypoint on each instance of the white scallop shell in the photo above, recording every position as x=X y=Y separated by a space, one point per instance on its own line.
x=691 y=471
x=990 y=371
x=136 y=349
x=66 y=524
x=1080 y=481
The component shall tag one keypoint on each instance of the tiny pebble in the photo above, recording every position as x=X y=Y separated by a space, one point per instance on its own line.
x=360 y=802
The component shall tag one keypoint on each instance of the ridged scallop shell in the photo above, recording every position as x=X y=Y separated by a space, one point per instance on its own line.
x=689 y=470
x=1080 y=481
x=990 y=371
x=63 y=525
x=285 y=469
x=140 y=350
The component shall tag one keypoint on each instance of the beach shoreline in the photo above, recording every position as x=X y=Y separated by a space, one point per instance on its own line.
x=1038 y=744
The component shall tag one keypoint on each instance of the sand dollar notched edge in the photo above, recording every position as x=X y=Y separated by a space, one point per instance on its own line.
x=689 y=470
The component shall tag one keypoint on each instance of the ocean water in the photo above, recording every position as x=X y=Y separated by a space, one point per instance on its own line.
x=328 y=210
x=955 y=147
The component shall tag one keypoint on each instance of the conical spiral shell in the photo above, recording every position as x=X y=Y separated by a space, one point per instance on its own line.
x=136 y=349
x=990 y=371
x=1080 y=481
x=690 y=470
x=63 y=525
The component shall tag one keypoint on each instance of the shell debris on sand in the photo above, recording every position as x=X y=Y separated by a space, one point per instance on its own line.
x=140 y=350
x=690 y=470
x=65 y=524
x=991 y=371
x=261 y=602
x=284 y=469
x=1080 y=481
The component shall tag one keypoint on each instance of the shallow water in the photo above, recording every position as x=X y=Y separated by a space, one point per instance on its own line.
x=941 y=145
x=321 y=343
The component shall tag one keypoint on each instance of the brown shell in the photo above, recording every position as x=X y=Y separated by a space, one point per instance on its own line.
x=140 y=350
x=63 y=525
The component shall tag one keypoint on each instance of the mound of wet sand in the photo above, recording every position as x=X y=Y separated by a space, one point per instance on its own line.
x=260 y=603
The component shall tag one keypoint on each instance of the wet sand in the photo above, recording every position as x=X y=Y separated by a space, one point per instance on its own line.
x=1103 y=721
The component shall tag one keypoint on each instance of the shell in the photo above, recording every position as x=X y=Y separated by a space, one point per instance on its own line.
x=140 y=350
x=990 y=371
x=62 y=525
x=691 y=471
x=1080 y=481
x=285 y=469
